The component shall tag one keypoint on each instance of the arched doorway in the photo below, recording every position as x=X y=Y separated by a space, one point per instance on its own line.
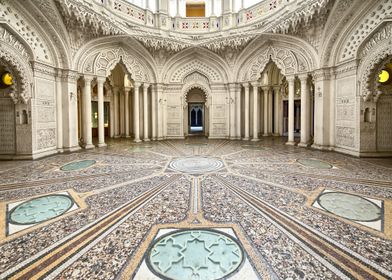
x=196 y=113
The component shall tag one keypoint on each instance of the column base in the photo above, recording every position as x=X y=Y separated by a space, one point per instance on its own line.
x=275 y=134
x=89 y=146
x=71 y=149
x=146 y=140
x=255 y=139
x=128 y=136
x=304 y=145
x=290 y=143
x=266 y=134
x=100 y=145
x=137 y=140
x=116 y=136
x=245 y=139
x=321 y=148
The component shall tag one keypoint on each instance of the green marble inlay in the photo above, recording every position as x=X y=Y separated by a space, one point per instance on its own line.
x=315 y=163
x=77 y=165
x=40 y=209
x=350 y=206
x=195 y=254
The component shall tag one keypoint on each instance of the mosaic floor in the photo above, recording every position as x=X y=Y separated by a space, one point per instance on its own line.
x=196 y=209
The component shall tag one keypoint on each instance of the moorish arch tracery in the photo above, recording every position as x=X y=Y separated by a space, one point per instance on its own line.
x=196 y=60
x=292 y=55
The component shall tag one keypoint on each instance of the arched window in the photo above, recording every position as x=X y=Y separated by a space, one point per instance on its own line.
x=366 y=115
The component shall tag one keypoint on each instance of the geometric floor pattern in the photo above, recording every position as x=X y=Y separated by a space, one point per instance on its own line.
x=196 y=209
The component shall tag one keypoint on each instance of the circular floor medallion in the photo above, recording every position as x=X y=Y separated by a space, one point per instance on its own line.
x=77 y=165
x=195 y=254
x=40 y=209
x=196 y=165
x=314 y=163
x=350 y=206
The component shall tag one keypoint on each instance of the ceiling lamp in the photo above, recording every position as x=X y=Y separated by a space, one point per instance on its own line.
x=7 y=79
x=383 y=76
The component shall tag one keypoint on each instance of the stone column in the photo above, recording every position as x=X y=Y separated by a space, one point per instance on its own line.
x=270 y=92
x=70 y=110
x=232 y=110
x=276 y=112
x=238 y=111
x=160 y=102
x=255 y=111
x=116 y=112
x=178 y=8
x=265 y=111
x=148 y=6
x=305 y=111
x=87 y=128
x=154 y=106
x=242 y=5
x=324 y=111
x=109 y=92
x=59 y=113
x=145 y=112
x=246 y=86
x=136 y=121
x=212 y=7
x=122 y=111
x=290 y=80
x=126 y=104
x=101 y=124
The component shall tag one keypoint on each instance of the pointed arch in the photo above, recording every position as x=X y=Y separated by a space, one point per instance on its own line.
x=100 y=56
x=292 y=56
x=196 y=60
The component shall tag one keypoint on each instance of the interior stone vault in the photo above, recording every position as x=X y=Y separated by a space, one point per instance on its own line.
x=195 y=140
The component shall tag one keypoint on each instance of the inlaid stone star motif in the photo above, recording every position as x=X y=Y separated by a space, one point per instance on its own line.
x=166 y=253
x=225 y=253
x=195 y=248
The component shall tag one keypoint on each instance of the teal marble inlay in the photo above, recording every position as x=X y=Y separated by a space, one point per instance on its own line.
x=350 y=206
x=77 y=165
x=40 y=209
x=195 y=254
x=315 y=163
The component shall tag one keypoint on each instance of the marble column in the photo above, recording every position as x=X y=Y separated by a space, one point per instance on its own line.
x=116 y=112
x=87 y=127
x=246 y=87
x=238 y=110
x=265 y=110
x=145 y=112
x=305 y=111
x=270 y=92
x=59 y=114
x=126 y=104
x=136 y=122
x=255 y=111
x=242 y=4
x=212 y=7
x=160 y=104
x=232 y=110
x=154 y=106
x=290 y=80
x=111 y=118
x=276 y=111
x=178 y=8
x=101 y=119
